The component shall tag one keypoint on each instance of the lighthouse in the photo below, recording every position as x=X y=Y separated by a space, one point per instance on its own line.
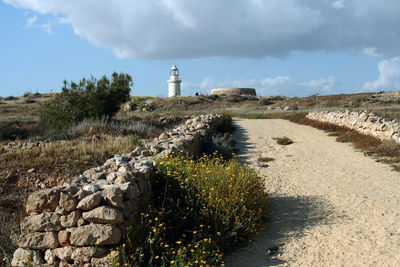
x=174 y=84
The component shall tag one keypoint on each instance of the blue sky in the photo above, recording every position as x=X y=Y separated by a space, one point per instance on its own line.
x=280 y=47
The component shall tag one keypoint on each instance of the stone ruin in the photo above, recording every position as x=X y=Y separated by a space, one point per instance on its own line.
x=363 y=122
x=233 y=91
x=82 y=222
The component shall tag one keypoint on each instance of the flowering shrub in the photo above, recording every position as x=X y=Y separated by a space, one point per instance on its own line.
x=201 y=209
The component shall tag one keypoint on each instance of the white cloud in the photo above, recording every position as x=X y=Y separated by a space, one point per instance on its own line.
x=47 y=27
x=31 y=21
x=370 y=52
x=339 y=4
x=281 y=85
x=389 y=76
x=228 y=28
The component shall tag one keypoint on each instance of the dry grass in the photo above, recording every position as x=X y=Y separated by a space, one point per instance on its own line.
x=24 y=171
x=67 y=157
x=24 y=109
x=389 y=114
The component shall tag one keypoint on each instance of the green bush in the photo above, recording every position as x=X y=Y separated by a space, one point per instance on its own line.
x=284 y=140
x=87 y=99
x=9 y=98
x=223 y=143
x=202 y=209
x=12 y=131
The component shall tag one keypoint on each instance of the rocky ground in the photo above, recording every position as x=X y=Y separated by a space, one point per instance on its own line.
x=332 y=205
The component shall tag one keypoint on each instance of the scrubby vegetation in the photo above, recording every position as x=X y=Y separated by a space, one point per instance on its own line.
x=284 y=140
x=265 y=159
x=12 y=131
x=87 y=99
x=202 y=209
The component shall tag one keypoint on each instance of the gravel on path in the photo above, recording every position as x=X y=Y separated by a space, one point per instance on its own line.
x=332 y=205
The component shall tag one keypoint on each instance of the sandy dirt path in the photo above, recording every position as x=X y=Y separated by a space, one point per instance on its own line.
x=332 y=205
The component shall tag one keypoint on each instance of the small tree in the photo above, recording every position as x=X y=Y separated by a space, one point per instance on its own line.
x=87 y=99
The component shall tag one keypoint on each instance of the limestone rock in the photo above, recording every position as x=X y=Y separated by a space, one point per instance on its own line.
x=103 y=214
x=111 y=177
x=81 y=222
x=67 y=201
x=26 y=257
x=64 y=238
x=124 y=177
x=47 y=221
x=130 y=190
x=163 y=136
x=81 y=194
x=114 y=197
x=64 y=253
x=93 y=188
x=95 y=234
x=49 y=257
x=99 y=176
x=43 y=200
x=84 y=254
x=90 y=201
x=113 y=256
x=138 y=151
x=71 y=219
x=41 y=241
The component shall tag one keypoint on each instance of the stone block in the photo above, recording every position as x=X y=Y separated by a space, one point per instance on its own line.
x=90 y=201
x=103 y=214
x=64 y=253
x=43 y=200
x=95 y=234
x=44 y=222
x=84 y=254
x=40 y=241
x=67 y=201
x=114 y=197
x=70 y=220
x=64 y=238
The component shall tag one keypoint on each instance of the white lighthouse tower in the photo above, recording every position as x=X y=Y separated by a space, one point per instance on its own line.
x=174 y=84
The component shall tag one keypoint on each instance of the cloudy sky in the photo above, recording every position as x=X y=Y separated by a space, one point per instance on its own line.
x=280 y=47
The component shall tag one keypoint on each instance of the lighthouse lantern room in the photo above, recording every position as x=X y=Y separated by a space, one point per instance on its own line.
x=174 y=83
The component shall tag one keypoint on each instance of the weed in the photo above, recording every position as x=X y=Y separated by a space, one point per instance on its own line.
x=396 y=168
x=283 y=140
x=345 y=137
x=265 y=159
x=222 y=143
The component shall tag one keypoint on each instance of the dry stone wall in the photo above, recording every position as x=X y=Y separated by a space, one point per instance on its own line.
x=363 y=122
x=81 y=222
